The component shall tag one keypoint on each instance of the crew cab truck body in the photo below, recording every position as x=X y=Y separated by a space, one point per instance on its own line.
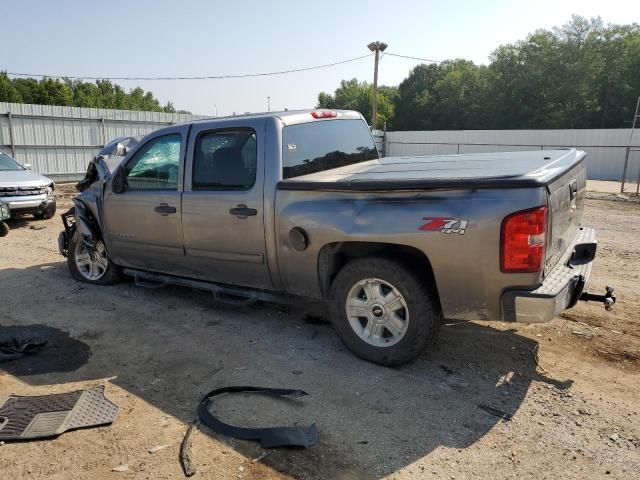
x=299 y=203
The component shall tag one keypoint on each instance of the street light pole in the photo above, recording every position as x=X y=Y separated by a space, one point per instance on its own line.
x=375 y=47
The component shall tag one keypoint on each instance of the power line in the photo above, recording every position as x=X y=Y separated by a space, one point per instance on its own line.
x=414 y=58
x=204 y=77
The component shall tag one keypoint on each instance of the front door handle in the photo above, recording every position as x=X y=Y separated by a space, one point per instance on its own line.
x=165 y=209
x=242 y=211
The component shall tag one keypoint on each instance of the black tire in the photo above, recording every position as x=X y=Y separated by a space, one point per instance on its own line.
x=424 y=312
x=47 y=213
x=112 y=275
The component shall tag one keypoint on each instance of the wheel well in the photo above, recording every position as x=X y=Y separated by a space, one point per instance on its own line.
x=334 y=256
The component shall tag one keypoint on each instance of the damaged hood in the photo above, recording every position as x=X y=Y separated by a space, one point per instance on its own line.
x=107 y=161
x=116 y=150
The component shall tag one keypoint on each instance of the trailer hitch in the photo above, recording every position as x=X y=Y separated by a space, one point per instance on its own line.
x=608 y=298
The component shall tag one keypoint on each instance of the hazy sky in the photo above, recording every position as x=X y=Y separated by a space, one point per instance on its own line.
x=153 y=38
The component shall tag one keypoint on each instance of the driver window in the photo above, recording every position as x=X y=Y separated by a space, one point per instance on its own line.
x=155 y=166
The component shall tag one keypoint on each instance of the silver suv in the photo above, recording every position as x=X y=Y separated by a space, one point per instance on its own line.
x=24 y=191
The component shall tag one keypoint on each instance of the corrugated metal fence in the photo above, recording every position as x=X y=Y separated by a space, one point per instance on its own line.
x=60 y=141
x=605 y=147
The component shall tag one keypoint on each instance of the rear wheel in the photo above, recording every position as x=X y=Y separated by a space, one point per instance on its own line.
x=383 y=311
x=91 y=267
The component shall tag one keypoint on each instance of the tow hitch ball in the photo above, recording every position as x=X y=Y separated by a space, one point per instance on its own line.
x=608 y=298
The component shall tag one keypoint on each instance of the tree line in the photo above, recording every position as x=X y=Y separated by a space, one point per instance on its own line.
x=584 y=74
x=76 y=93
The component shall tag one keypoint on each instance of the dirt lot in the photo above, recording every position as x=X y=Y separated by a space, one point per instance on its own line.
x=574 y=416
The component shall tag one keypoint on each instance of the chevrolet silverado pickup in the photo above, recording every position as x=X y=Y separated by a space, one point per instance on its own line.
x=299 y=203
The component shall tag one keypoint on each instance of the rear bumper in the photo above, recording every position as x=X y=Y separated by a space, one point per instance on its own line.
x=560 y=289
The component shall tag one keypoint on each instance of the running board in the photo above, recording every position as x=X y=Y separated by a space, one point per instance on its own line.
x=222 y=293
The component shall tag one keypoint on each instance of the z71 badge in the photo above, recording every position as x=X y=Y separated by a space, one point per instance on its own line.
x=444 y=225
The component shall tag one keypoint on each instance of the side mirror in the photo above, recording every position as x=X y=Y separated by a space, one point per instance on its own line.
x=28 y=166
x=119 y=181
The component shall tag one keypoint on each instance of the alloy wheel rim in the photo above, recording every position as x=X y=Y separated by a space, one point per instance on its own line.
x=91 y=268
x=377 y=312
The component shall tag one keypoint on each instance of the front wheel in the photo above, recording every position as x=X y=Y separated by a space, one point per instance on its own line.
x=382 y=311
x=91 y=267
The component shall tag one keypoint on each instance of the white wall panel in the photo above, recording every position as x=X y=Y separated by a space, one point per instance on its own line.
x=605 y=147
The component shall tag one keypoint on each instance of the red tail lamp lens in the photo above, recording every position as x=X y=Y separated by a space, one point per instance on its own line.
x=523 y=241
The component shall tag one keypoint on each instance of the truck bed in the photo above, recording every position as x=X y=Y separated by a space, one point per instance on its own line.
x=478 y=170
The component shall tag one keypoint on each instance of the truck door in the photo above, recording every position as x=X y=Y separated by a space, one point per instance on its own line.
x=222 y=204
x=142 y=223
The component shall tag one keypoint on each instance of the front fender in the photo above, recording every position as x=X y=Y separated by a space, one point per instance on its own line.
x=85 y=223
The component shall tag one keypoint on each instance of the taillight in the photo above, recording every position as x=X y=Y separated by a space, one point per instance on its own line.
x=523 y=241
x=324 y=114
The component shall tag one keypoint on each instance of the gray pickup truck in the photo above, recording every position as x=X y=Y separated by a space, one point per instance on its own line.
x=299 y=204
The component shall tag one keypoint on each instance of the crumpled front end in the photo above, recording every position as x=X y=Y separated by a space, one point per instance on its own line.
x=79 y=218
x=86 y=215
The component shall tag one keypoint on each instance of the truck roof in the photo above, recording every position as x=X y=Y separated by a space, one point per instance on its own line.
x=288 y=117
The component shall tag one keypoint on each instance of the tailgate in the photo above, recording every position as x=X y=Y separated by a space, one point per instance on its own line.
x=566 y=202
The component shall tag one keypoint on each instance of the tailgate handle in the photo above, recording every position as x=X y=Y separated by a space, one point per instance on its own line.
x=573 y=189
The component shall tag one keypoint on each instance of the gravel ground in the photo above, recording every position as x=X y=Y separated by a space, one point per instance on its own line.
x=575 y=415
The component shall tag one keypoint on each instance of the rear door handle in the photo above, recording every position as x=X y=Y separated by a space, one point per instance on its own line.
x=165 y=209
x=242 y=211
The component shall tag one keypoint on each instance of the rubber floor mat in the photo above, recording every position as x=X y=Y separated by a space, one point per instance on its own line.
x=23 y=418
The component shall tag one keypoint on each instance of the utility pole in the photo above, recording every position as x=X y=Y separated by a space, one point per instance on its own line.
x=629 y=150
x=268 y=104
x=375 y=47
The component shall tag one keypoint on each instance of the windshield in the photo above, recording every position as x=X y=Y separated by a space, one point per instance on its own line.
x=7 y=163
x=317 y=146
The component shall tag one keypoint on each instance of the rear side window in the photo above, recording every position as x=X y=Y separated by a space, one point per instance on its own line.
x=225 y=160
x=316 y=146
x=155 y=166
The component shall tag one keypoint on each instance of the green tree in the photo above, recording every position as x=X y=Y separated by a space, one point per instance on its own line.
x=55 y=92
x=355 y=95
x=8 y=91
x=417 y=98
x=29 y=90
x=584 y=74
x=101 y=94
